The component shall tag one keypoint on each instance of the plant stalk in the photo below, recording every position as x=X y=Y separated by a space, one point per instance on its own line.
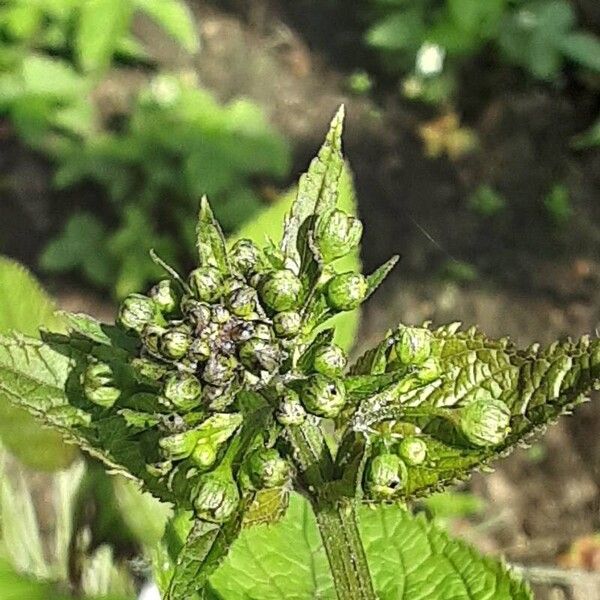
x=336 y=517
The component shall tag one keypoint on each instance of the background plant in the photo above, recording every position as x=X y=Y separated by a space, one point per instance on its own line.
x=150 y=163
x=420 y=410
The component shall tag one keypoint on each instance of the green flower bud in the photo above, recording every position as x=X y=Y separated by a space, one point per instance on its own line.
x=267 y=468
x=413 y=450
x=243 y=302
x=287 y=323
x=346 y=291
x=259 y=355
x=290 y=410
x=151 y=337
x=217 y=398
x=217 y=496
x=336 y=233
x=330 y=360
x=281 y=290
x=414 y=345
x=485 y=422
x=231 y=284
x=197 y=312
x=136 y=311
x=245 y=256
x=322 y=396
x=429 y=370
x=183 y=391
x=175 y=342
x=205 y=283
x=263 y=332
x=204 y=454
x=384 y=477
x=165 y=296
x=179 y=445
x=98 y=384
x=220 y=369
x=219 y=314
x=149 y=369
x=200 y=349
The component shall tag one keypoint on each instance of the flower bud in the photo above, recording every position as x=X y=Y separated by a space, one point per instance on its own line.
x=281 y=290
x=204 y=454
x=136 y=311
x=205 y=283
x=146 y=368
x=485 y=422
x=413 y=450
x=336 y=233
x=243 y=302
x=245 y=256
x=179 y=445
x=183 y=391
x=322 y=396
x=159 y=469
x=175 y=342
x=267 y=468
x=98 y=384
x=429 y=370
x=217 y=496
x=197 y=312
x=259 y=355
x=151 y=336
x=219 y=369
x=231 y=284
x=384 y=476
x=200 y=349
x=165 y=296
x=290 y=410
x=346 y=291
x=330 y=360
x=219 y=314
x=414 y=345
x=287 y=323
x=217 y=398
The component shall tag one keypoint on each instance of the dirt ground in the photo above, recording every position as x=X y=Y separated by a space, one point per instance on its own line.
x=535 y=281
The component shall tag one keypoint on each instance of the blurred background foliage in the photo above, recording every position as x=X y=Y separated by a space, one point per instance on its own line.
x=474 y=137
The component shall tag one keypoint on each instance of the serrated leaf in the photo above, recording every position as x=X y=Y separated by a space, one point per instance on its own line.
x=536 y=385
x=210 y=240
x=25 y=307
x=409 y=559
x=102 y=24
x=375 y=279
x=176 y=18
x=317 y=193
x=205 y=548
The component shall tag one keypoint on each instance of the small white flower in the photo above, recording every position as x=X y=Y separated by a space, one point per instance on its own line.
x=430 y=59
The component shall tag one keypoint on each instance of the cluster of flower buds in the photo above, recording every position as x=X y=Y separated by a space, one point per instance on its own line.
x=236 y=324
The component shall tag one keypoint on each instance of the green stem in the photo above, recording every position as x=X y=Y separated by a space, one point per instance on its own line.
x=336 y=517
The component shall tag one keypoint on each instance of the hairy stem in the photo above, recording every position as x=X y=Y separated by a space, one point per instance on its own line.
x=336 y=517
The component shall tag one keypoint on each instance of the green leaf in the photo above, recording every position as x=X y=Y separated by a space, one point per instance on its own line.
x=14 y=586
x=282 y=561
x=102 y=23
x=317 y=193
x=582 y=48
x=44 y=76
x=210 y=240
x=25 y=307
x=205 y=548
x=409 y=559
x=176 y=18
x=536 y=385
x=81 y=245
